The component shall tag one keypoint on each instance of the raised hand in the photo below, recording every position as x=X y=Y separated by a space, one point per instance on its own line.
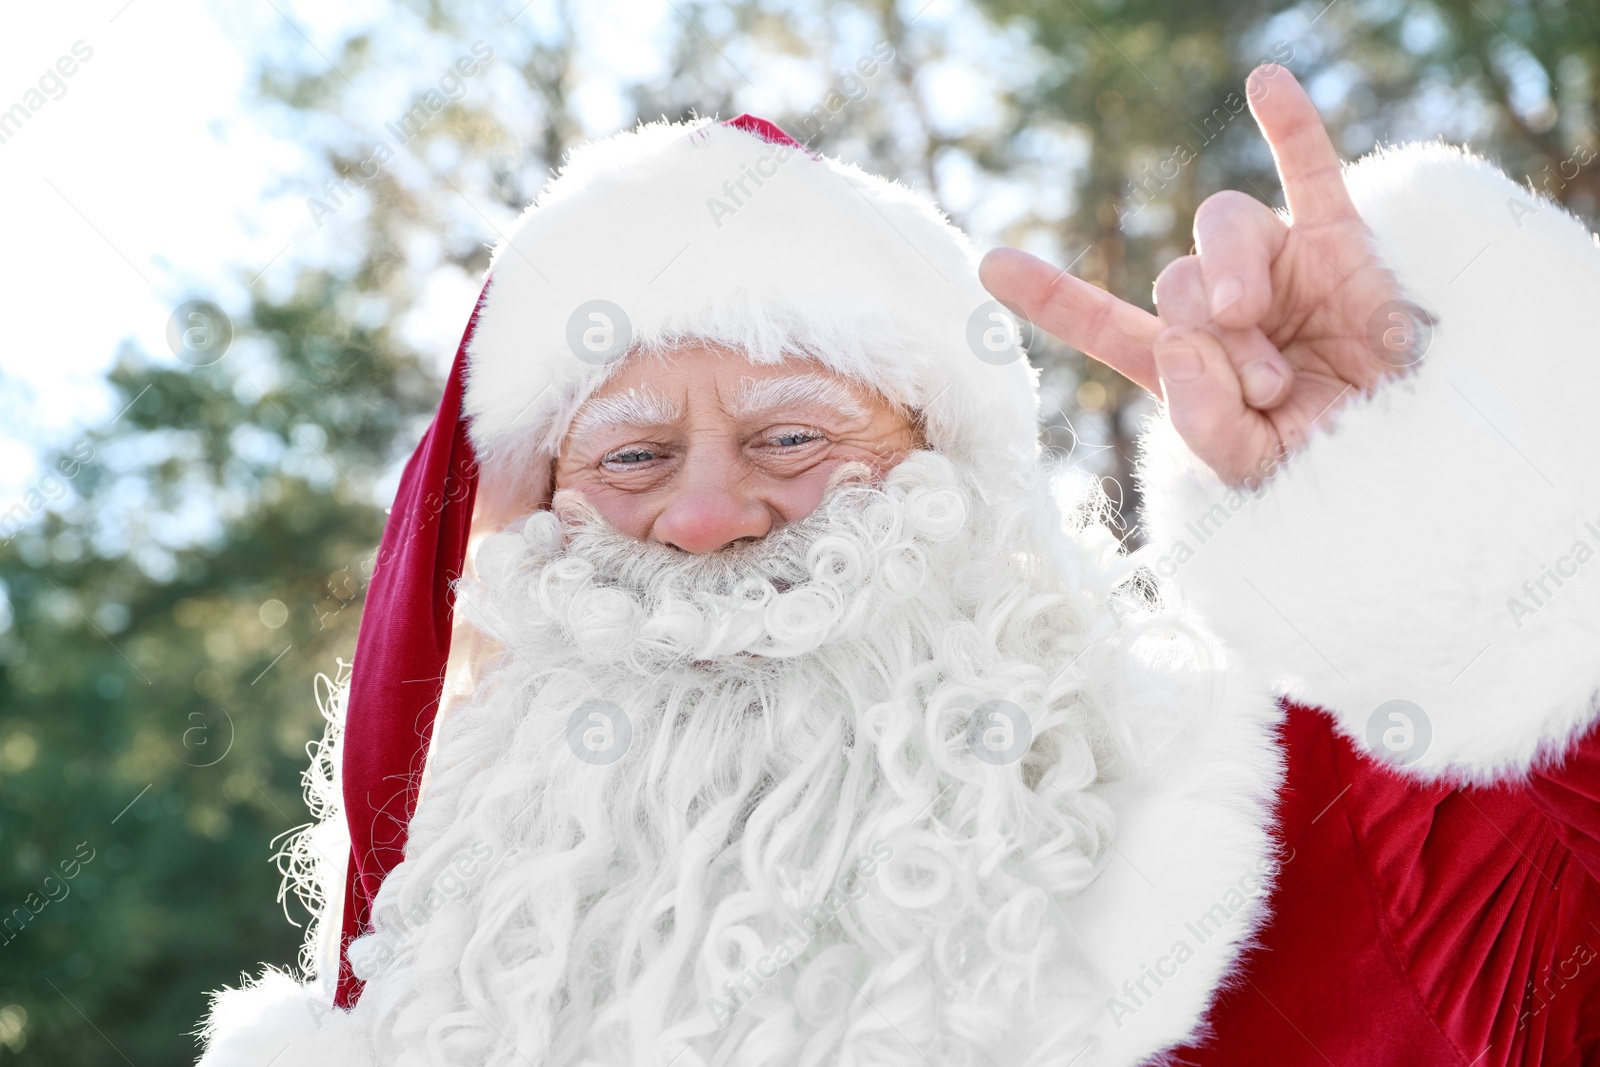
x=1269 y=328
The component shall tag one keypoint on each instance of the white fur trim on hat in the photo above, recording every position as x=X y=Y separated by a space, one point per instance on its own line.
x=1441 y=545
x=700 y=231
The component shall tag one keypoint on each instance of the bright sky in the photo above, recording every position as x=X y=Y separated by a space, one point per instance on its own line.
x=145 y=179
x=142 y=181
x=151 y=176
x=122 y=197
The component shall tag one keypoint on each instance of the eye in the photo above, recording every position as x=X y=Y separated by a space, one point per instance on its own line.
x=795 y=438
x=631 y=456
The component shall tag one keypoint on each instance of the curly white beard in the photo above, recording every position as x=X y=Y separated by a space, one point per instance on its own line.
x=729 y=809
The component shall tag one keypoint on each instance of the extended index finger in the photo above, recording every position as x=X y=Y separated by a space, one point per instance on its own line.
x=1084 y=316
x=1308 y=165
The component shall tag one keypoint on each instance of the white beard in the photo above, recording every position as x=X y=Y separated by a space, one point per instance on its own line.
x=730 y=809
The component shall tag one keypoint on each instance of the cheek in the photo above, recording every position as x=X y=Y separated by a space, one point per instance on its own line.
x=630 y=513
x=795 y=498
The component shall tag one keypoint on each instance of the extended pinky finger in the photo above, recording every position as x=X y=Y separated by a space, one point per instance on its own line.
x=1206 y=404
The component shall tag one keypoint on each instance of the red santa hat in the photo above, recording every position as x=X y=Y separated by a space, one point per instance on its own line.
x=728 y=233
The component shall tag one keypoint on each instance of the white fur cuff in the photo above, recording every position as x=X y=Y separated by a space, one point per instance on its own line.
x=277 y=1021
x=1429 y=570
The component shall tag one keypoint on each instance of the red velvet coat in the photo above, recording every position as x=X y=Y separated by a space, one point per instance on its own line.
x=1421 y=925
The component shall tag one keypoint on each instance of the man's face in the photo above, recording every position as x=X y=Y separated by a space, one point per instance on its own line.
x=713 y=793
x=704 y=448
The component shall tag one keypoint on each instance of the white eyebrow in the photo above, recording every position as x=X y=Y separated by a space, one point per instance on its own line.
x=642 y=406
x=757 y=395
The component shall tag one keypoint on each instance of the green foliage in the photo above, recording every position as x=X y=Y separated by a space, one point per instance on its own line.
x=155 y=679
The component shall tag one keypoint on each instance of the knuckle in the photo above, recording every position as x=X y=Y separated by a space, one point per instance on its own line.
x=1060 y=289
x=1196 y=337
x=1199 y=426
x=1179 y=285
x=1098 y=323
x=1180 y=271
x=1217 y=205
x=1177 y=267
x=1227 y=214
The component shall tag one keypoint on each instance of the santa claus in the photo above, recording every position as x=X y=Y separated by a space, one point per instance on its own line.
x=797 y=713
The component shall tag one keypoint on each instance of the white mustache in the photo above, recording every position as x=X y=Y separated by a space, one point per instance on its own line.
x=774 y=557
x=807 y=583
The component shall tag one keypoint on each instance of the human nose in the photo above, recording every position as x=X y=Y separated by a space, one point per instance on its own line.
x=711 y=506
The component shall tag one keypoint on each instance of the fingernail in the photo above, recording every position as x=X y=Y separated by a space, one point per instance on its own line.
x=1261 y=381
x=1225 y=294
x=1179 y=363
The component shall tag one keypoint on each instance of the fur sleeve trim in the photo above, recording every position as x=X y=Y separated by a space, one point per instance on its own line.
x=1429 y=570
x=274 y=1020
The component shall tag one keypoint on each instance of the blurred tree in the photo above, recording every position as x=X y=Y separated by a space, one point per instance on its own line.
x=160 y=625
x=154 y=698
